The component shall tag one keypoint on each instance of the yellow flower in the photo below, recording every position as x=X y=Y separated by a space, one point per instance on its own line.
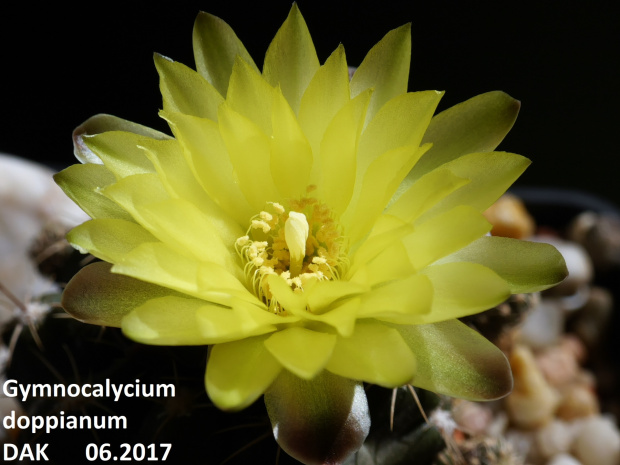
x=318 y=232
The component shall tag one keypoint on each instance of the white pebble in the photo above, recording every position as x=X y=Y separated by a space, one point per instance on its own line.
x=543 y=325
x=555 y=438
x=598 y=442
x=564 y=459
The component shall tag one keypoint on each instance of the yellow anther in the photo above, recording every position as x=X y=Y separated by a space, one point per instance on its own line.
x=260 y=224
x=265 y=216
x=243 y=240
x=277 y=207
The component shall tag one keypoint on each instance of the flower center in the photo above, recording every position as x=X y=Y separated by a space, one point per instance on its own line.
x=300 y=245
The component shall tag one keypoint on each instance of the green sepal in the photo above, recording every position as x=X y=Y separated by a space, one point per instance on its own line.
x=97 y=296
x=104 y=123
x=82 y=183
x=291 y=60
x=476 y=125
x=455 y=360
x=385 y=69
x=318 y=421
x=184 y=90
x=525 y=266
x=216 y=47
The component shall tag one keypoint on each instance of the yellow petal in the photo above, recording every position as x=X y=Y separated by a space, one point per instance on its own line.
x=401 y=122
x=425 y=193
x=301 y=351
x=239 y=372
x=179 y=181
x=159 y=264
x=206 y=154
x=324 y=294
x=383 y=176
x=291 y=155
x=154 y=323
x=282 y=293
x=326 y=94
x=400 y=301
x=181 y=225
x=462 y=289
x=379 y=242
x=249 y=150
x=338 y=154
x=445 y=234
x=389 y=264
x=250 y=95
x=196 y=322
x=341 y=316
x=244 y=319
x=174 y=221
x=375 y=354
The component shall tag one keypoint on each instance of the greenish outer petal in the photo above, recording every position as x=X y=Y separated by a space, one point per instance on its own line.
x=239 y=372
x=320 y=421
x=455 y=360
x=525 y=266
x=120 y=152
x=97 y=296
x=216 y=47
x=103 y=123
x=385 y=69
x=476 y=125
x=291 y=60
x=82 y=183
x=185 y=91
x=490 y=175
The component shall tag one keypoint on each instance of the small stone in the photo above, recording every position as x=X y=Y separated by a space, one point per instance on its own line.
x=524 y=445
x=472 y=417
x=559 y=363
x=591 y=322
x=598 y=442
x=543 y=325
x=533 y=401
x=510 y=218
x=564 y=459
x=555 y=438
x=599 y=233
x=577 y=402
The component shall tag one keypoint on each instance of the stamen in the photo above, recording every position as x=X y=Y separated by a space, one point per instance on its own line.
x=301 y=246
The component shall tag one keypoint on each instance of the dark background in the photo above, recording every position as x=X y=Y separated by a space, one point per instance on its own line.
x=59 y=65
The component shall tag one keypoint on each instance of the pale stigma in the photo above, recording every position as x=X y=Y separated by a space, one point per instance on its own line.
x=296 y=235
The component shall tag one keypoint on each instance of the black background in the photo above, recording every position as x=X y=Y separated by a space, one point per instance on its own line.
x=60 y=64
